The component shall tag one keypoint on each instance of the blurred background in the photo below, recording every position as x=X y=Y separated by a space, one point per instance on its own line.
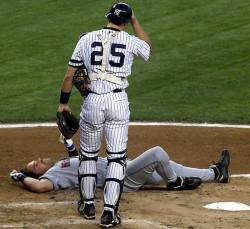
x=199 y=69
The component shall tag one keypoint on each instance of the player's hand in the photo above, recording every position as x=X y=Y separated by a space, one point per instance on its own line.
x=133 y=18
x=17 y=176
x=63 y=107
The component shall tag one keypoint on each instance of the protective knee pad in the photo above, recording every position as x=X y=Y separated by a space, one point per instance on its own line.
x=114 y=180
x=87 y=176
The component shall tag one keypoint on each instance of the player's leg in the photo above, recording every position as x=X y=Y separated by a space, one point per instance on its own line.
x=90 y=143
x=116 y=133
x=205 y=174
x=140 y=169
x=217 y=172
x=156 y=160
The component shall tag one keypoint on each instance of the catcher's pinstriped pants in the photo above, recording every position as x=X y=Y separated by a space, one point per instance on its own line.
x=108 y=115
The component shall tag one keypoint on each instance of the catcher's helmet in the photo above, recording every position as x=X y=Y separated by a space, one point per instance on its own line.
x=120 y=13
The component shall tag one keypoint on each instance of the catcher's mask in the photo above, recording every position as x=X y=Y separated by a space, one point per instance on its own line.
x=120 y=13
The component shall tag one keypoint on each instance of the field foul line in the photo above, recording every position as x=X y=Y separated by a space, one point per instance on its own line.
x=36 y=204
x=76 y=221
x=52 y=124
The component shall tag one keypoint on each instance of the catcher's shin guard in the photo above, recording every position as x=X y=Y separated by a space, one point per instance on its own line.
x=87 y=176
x=114 y=180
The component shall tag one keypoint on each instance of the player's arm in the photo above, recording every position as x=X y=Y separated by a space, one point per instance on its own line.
x=66 y=89
x=139 y=30
x=74 y=63
x=35 y=185
x=32 y=184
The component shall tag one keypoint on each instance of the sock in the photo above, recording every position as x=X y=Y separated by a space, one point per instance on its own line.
x=216 y=172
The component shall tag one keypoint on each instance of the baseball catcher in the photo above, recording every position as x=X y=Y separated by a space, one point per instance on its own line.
x=67 y=123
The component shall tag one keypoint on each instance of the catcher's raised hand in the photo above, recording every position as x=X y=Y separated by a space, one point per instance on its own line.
x=17 y=176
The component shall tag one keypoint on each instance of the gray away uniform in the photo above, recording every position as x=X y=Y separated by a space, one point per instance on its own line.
x=151 y=167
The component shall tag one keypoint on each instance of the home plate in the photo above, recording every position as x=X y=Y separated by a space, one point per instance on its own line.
x=228 y=206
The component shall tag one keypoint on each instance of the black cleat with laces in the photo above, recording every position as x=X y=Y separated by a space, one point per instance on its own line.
x=109 y=219
x=86 y=210
x=221 y=168
x=184 y=183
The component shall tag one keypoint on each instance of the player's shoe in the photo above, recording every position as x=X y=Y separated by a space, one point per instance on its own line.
x=86 y=210
x=109 y=219
x=221 y=168
x=184 y=183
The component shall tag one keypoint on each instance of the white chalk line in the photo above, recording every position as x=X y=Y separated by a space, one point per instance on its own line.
x=52 y=124
x=36 y=204
x=80 y=221
x=241 y=175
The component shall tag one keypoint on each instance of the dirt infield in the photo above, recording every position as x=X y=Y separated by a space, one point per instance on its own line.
x=157 y=208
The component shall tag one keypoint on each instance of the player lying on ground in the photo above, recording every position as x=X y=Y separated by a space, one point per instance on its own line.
x=150 y=168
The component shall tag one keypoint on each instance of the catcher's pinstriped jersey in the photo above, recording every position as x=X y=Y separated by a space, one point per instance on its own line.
x=121 y=51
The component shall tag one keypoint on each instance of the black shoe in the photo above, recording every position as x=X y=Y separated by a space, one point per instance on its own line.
x=220 y=168
x=109 y=219
x=86 y=210
x=187 y=183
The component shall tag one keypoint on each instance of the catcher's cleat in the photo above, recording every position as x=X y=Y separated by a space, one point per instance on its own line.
x=221 y=168
x=109 y=219
x=184 y=183
x=86 y=210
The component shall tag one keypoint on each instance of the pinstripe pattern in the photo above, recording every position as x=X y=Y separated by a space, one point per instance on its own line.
x=88 y=183
x=113 y=189
x=103 y=111
x=108 y=113
x=83 y=50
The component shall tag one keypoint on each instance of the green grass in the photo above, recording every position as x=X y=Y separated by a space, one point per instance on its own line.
x=198 y=71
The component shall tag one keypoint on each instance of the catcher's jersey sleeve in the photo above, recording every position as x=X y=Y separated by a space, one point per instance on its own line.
x=141 y=48
x=76 y=60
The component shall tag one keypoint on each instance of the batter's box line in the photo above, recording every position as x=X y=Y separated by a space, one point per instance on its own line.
x=140 y=223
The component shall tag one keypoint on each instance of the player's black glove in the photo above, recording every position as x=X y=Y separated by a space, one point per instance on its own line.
x=17 y=176
x=67 y=123
x=81 y=80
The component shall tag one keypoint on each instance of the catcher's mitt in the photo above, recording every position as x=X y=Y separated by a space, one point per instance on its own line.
x=81 y=80
x=67 y=123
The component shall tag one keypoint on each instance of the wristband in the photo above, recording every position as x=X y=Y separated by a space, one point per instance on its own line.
x=64 y=98
x=22 y=177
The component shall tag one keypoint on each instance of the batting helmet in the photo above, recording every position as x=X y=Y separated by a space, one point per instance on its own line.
x=120 y=13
